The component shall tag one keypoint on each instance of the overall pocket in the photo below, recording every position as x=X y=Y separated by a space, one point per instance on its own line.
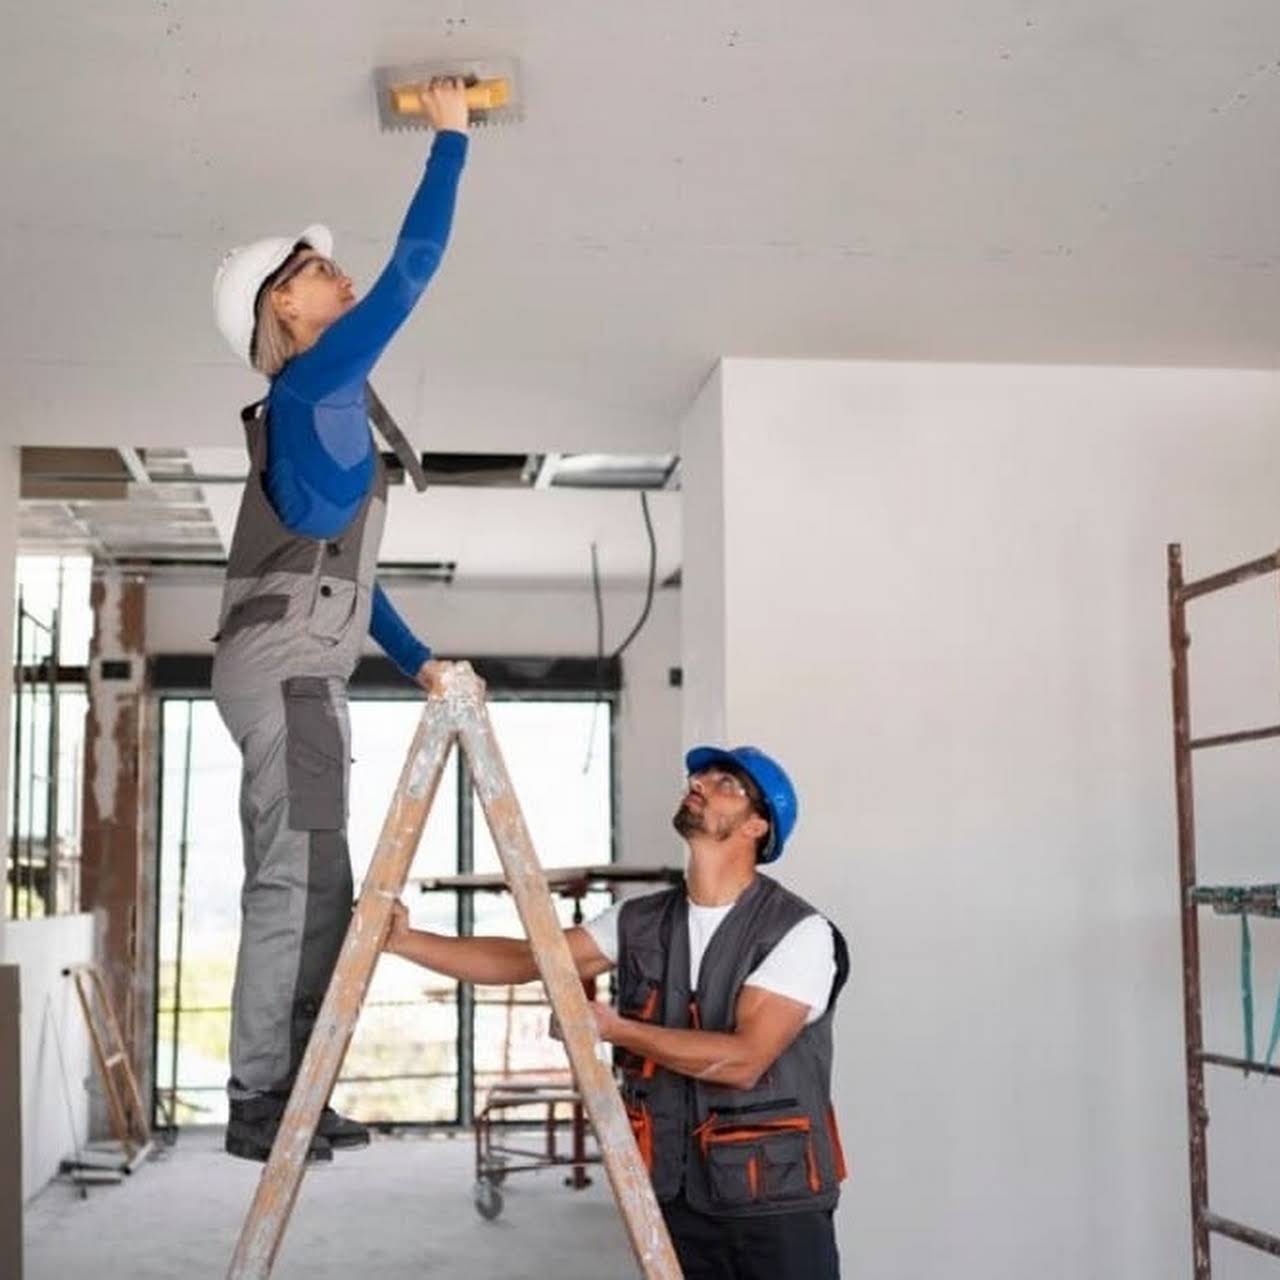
x=314 y=750
x=251 y=612
x=333 y=607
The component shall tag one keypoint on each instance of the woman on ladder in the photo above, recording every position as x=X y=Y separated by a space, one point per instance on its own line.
x=300 y=595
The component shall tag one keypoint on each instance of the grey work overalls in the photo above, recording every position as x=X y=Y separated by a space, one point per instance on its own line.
x=294 y=614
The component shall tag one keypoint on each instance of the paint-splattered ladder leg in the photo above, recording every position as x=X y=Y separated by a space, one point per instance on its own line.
x=631 y=1185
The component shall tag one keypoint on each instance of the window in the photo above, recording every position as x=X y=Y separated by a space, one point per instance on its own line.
x=560 y=767
x=47 y=721
x=410 y=1060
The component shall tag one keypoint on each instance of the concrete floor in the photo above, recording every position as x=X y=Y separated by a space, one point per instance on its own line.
x=403 y=1207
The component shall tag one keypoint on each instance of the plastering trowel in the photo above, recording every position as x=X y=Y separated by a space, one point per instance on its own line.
x=492 y=96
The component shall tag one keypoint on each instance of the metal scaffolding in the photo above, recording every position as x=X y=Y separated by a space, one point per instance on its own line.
x=43 y=855
x=1243 y=900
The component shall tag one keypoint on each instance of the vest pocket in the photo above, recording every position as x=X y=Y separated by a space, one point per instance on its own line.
x=639 y=999
x=771 y=1161
x=733 y=1174
x=642 y=1127
x=788 y=1159
x=837 y=1147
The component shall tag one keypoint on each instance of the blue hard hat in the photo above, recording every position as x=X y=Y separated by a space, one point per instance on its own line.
x=769 y=776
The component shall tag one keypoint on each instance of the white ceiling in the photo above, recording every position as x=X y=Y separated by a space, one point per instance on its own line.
x=1047 y=180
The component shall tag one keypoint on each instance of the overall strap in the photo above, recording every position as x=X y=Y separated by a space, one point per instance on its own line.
x=253 y=417
x=386 y=427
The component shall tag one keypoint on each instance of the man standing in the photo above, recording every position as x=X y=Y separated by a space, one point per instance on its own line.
x=726 y=989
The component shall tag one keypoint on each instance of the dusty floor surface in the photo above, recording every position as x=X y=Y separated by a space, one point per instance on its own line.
x=402 y=1207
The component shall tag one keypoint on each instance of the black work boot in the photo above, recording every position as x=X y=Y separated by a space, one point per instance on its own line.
x=341 y=1132
x=252 y=1127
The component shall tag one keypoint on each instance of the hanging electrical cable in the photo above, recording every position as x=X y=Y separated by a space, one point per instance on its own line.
x=595 y=706
x=653 y=579
x=635 y=630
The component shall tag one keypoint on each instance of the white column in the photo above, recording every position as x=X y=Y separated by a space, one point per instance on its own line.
x=936 y=593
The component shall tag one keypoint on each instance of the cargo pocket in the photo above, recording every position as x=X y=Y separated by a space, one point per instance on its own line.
x=251 y=612
x=788 y=1163
x=772 y=1161
x=332 y=609
x=314 y=762
x=733 y=1174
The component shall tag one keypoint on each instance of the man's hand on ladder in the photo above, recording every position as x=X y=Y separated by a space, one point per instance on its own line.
x=398 y=929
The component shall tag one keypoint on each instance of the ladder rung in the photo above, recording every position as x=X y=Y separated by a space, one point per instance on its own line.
x=1230 y=739
x=1239 y=1064
x=1245 y=1235
x=115 y=1060
x=1229 y=577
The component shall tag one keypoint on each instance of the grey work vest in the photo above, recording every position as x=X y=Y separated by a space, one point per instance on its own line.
x=734 y=1153
x=294 y=605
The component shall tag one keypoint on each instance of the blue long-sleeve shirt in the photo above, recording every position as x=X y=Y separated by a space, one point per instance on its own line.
x=320 y=451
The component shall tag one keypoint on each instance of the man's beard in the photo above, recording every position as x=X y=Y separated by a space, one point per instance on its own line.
x=687 y=820
x=691 y=820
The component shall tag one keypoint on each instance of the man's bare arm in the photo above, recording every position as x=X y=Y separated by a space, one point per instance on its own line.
x=491 y=961
x=766 y=1024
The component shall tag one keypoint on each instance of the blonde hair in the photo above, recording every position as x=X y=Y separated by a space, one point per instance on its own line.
x=271 y=347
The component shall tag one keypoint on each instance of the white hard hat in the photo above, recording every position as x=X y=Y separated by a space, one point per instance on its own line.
x=242 y=273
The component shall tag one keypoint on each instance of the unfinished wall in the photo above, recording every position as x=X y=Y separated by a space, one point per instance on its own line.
x=55 y=1044
x=117 y=841
x=513 y=619
x=944 y=608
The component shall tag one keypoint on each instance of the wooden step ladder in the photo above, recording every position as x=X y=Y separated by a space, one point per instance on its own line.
x=125 y=1108
x=456 y=713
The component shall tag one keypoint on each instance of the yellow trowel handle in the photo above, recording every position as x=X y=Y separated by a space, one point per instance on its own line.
x=484 y=95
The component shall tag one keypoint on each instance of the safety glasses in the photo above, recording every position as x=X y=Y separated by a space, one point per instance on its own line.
x=317 y=265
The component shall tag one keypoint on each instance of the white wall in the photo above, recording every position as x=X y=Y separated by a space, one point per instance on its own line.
x=944 y=609
x=516 y=620
x=55 y=1043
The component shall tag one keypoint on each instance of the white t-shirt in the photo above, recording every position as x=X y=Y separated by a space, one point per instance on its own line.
x=801 y=967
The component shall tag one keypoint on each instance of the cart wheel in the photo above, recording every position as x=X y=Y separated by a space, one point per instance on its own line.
x=497 y=1170
x=488 y=1200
